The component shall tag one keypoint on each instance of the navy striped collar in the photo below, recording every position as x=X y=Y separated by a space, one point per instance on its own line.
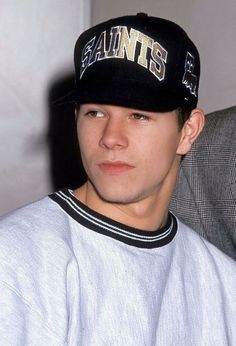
x=103 y=225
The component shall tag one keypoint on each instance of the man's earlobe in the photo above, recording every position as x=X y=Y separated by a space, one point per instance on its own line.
x=191 y=130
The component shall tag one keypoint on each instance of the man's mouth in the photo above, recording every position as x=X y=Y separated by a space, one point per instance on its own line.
x=115 y=167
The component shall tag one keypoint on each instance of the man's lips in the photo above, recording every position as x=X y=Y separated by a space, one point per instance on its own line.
x=115 y=167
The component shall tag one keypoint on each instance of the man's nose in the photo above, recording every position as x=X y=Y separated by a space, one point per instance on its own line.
x=114 y=135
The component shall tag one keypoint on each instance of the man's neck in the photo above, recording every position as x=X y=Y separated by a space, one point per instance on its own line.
x=148 y=214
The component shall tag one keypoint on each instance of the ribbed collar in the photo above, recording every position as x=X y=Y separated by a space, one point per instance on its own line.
x=106 y=226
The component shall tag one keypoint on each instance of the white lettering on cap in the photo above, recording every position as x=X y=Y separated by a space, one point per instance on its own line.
x=126 y=45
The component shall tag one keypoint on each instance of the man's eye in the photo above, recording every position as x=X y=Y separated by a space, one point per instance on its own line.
x=140 y=116
x=95 y=114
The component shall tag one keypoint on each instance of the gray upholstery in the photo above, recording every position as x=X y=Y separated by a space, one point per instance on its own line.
x=205 y=195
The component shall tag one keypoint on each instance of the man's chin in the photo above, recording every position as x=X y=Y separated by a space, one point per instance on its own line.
x=117 y=196
x=111 y=198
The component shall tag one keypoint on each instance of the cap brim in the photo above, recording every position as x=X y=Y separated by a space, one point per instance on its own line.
x=124 y=94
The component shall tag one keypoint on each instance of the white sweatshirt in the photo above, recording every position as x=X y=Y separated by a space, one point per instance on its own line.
x=70 y=276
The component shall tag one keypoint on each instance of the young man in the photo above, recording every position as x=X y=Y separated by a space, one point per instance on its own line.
x=108 y=264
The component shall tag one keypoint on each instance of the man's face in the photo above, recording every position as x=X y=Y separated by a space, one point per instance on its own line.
x=129 y=155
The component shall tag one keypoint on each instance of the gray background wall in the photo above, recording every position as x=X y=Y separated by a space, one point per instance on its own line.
x=36 y=45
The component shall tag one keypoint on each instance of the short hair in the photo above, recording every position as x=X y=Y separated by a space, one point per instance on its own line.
x=183 y=114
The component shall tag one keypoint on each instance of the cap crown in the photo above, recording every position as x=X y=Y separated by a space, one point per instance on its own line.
x=137 y=61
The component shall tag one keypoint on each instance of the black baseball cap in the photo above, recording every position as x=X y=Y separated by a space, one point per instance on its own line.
x=136 y=61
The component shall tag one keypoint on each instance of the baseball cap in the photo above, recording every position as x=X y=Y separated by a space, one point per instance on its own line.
x=136 y=61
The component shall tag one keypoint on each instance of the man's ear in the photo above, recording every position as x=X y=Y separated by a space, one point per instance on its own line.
x=191 y=130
